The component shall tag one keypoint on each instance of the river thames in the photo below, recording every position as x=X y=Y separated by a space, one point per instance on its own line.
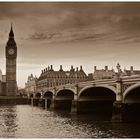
x=25 y=121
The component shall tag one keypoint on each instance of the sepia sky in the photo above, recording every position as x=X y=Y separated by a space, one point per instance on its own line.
x=71 y=33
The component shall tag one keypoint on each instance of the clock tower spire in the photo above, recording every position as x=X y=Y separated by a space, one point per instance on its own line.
x=11 y=56
x=11 y=33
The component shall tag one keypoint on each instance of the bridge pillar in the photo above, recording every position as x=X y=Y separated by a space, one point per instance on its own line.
x=117 y=113
x=52 y=105
x=46 y=104
x=32 y=101
x=74 y=105
x=74 y=102
x=41 y=102
x=119 y=96
x=35 y=101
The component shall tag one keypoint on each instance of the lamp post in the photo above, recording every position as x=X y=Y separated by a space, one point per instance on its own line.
x=119 y=70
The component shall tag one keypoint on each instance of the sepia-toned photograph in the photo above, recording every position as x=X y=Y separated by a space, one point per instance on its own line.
x=69 y=69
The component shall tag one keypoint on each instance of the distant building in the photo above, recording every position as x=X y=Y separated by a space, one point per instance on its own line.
x=31 y=85
x=51 y=78
x=103 y=73
x=4 y=78
x=90 y=77
x=131 y=72
x=110 y=73
x=22 y=92
x=0 y=75
x=2 y=84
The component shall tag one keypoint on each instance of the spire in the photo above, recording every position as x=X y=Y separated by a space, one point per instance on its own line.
x=11 y=33
x=11 y=40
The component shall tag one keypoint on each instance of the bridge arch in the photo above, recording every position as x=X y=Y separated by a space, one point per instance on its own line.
x=131 y=100
x=66 y=93
x=131 y=94
x=63 y=99
x=66 y=89
x=97 y=99
x=38 y=95
x=111 y=88
x=48 y=94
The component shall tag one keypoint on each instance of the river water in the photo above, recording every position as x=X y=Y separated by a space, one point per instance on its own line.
x=25 y=121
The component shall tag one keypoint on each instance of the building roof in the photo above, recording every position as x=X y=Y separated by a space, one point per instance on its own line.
x=46 y=73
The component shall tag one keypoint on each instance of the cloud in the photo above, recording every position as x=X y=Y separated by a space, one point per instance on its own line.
x=75 y=12
x=72 y=14
x=42 y=36
x=61 y=22
x=66 y=36
x=42 y=17
x=88 y=34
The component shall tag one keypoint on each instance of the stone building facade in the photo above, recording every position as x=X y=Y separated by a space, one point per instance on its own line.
x=110 y=73
x=131 y=71
x=31 y=85
x=2 y=84
x=0 y=75
x=8 y=83
x=11 y=62
x=125 y=72
x=101 y=74
x=52 y=78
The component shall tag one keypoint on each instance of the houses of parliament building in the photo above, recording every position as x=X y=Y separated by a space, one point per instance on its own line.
x=51 y=78
x=8 y=83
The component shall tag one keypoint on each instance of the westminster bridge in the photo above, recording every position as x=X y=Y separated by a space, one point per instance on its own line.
x=112 y=96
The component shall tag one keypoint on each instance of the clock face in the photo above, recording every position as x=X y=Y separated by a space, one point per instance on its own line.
x=11 y=51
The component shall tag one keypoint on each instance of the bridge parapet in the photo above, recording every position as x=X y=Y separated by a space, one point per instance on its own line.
x=131 y=79
x=96 y=82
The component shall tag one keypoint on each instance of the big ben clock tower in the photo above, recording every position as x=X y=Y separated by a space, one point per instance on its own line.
x=11 y=56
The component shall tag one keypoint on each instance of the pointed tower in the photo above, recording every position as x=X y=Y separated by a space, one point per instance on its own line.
x=11 y=56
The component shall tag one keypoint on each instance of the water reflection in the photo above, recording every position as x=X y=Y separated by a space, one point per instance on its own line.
x=8 y=121
x=24 y=121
